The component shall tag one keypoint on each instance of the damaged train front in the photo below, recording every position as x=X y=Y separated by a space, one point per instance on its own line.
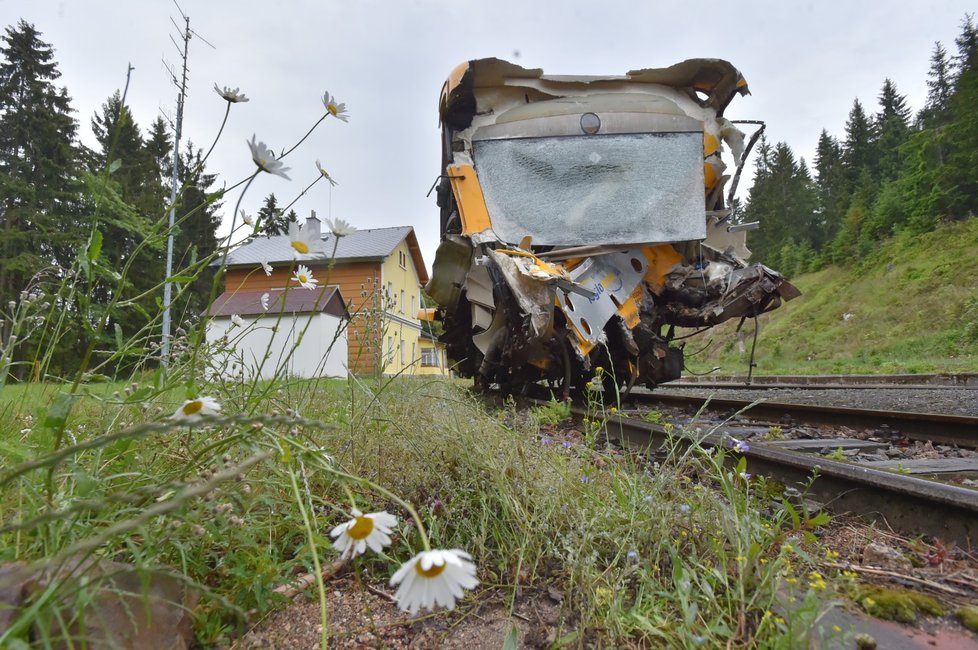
x=583 y=221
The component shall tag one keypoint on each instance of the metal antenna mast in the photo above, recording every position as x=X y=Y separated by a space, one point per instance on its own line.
x=174 y=182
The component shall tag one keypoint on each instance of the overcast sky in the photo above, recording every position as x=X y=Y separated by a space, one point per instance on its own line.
x=805 y=62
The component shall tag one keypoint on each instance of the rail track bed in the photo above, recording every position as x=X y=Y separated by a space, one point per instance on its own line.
x=917 y=471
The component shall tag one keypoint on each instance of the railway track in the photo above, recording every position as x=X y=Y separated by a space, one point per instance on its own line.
x=958 y=430
x=909 y=504
x=829 y=382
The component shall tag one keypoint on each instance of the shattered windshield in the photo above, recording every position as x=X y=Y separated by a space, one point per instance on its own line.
x=600 y=189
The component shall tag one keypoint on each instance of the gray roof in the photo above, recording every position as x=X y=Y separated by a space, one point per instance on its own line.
x=372 y=244
x=297 y=301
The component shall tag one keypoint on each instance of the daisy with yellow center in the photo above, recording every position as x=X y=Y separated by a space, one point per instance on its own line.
x=304 y=243
x=193 y=410
x=433 y=578
x=325 y=174
x=303 y=276
x=265 y=159
x=335 y=108
x=373 y=530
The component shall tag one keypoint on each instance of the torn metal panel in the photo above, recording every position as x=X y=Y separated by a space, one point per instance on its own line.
x=532 y=289
x=452 y=262
x=611 y=278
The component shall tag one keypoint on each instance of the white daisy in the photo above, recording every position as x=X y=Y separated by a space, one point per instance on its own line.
x=325 y=174
x=303 y=243
x=334 y=108
x=193 y=409
x=264 y=301
x=433 y=578
x=373 y=530
x=267 y=267
x=230 y=94
x=340 y=228
x=265 y=159
x=247 y=218
x=237 y=321
x=304 y=277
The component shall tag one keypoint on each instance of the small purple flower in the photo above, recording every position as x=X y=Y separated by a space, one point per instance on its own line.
x=684 y=508
x=648 y=499
x=632 y=555
x=739 y=446
x=545 y=441
x=585 y=478
x=568 y=444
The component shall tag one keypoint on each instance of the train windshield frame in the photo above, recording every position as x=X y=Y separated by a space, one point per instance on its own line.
x=594 y=189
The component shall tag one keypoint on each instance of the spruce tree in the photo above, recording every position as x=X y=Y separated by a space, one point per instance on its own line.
x=967 y=43
x=892 y=130
x=195 y=235
x=160 y=148
x=783 y=200
x=271 y=219
x=858 y=150
x=962 y=140
x=39 y=180
x=125 y=166
x=937 y=107
x=830 y=190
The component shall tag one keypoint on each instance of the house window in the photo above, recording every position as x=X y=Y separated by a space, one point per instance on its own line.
x=402 y=259
x=414 y=352
x=390 y=350
x=414 y=307
x=429 y=357
x=403 y=352
x=400 y=305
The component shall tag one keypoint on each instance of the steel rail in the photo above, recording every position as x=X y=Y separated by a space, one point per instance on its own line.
x=733 y=385
x=905 y=380
x=908 y=504
x=960 y=430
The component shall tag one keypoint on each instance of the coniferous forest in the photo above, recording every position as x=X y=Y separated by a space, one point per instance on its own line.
x=53 y=189
x=892 y=169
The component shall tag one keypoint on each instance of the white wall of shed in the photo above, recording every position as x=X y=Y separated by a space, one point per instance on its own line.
x=322 y=352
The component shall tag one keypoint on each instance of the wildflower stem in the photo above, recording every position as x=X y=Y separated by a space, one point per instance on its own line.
x=303 y=192
x=227 y=111
x=366 y=482
x=310 y=535
x=217 y=281
x=349 y=494
x=303 y=139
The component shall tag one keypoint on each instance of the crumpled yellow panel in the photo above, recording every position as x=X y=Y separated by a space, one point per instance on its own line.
x=661 y=259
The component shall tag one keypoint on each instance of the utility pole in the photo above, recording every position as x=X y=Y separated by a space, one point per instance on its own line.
x=174 y=182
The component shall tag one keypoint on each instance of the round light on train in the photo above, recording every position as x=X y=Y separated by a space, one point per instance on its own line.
x=590 y=123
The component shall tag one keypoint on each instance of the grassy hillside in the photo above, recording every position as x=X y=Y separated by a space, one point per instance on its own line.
x=910 y=307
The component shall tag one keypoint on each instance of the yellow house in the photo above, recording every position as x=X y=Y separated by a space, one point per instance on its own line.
x=380 y=273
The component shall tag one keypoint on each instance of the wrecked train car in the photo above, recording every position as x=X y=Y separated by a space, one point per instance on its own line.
x=583 y=220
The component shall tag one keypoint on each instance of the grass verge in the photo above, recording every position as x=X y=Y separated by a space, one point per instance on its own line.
x=687 y=552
